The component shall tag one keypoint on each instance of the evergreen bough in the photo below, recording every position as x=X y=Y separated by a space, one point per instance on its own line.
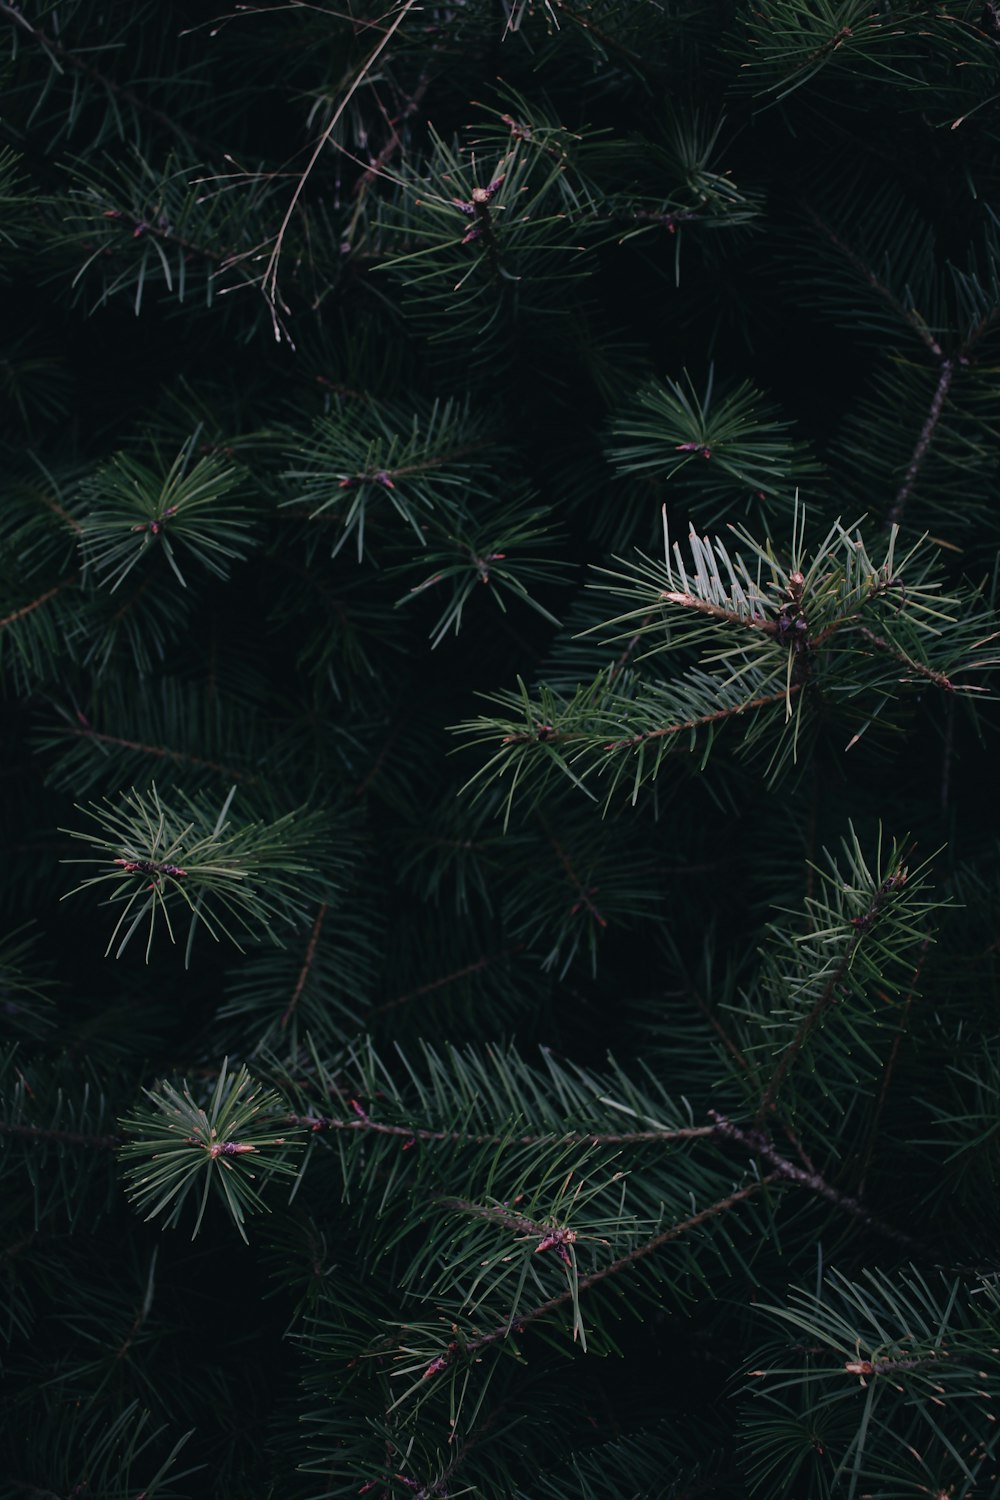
x=498 y=976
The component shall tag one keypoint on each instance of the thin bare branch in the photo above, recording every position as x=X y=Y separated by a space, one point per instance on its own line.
x=269 y=281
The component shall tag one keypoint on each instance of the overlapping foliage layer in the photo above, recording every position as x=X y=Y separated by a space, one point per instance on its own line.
x=498 y=980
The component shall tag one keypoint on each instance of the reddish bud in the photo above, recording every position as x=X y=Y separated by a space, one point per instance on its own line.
x=557 y=1238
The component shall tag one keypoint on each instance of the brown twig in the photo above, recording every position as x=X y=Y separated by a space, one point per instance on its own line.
x=945 y=378
x=307 y=964
x=719 y=612
x=476 y=967
x=395 y=140
x=760 y=1144
x=27 y=609
x=269 y=280
x=734 y=1051
x=319 y=1123
x=86 y=731
x=622 y=660
x=767 y=701
x=584 y=893
x=868 y=275
x=140 y=228
x=473 y=1346
x=938 y=678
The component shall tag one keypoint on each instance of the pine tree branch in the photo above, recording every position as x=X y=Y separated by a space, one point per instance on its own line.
x=63 y=514
x=130 y=1337
x=649 y=70
x=309 y=579
x=363 y=1122
x=386 y=477
x=890 y=1066
x=938 y=678
x=584 y=894
x=718 y=612
x=119 y=91
x=141 y=228
x=306 y=968
x=981 y=329
x=830 y=992
x=877 y=286
x=476 y=967
x=496 y=1214
x=346 y=391
x=622 y=661
x=85 y=731
x=471 y=1441
x=129 y=601
x=27 y=609
x=731 y=1047
x=668 y=221
x=760 y=1144
x=945 y=378
x=269 y=280
x=410 y=107
x=546 y=735
x=768 y=701
x=473 y=1346
x=879 y=587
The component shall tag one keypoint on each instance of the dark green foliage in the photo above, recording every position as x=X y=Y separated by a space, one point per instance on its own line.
x=498 y=941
